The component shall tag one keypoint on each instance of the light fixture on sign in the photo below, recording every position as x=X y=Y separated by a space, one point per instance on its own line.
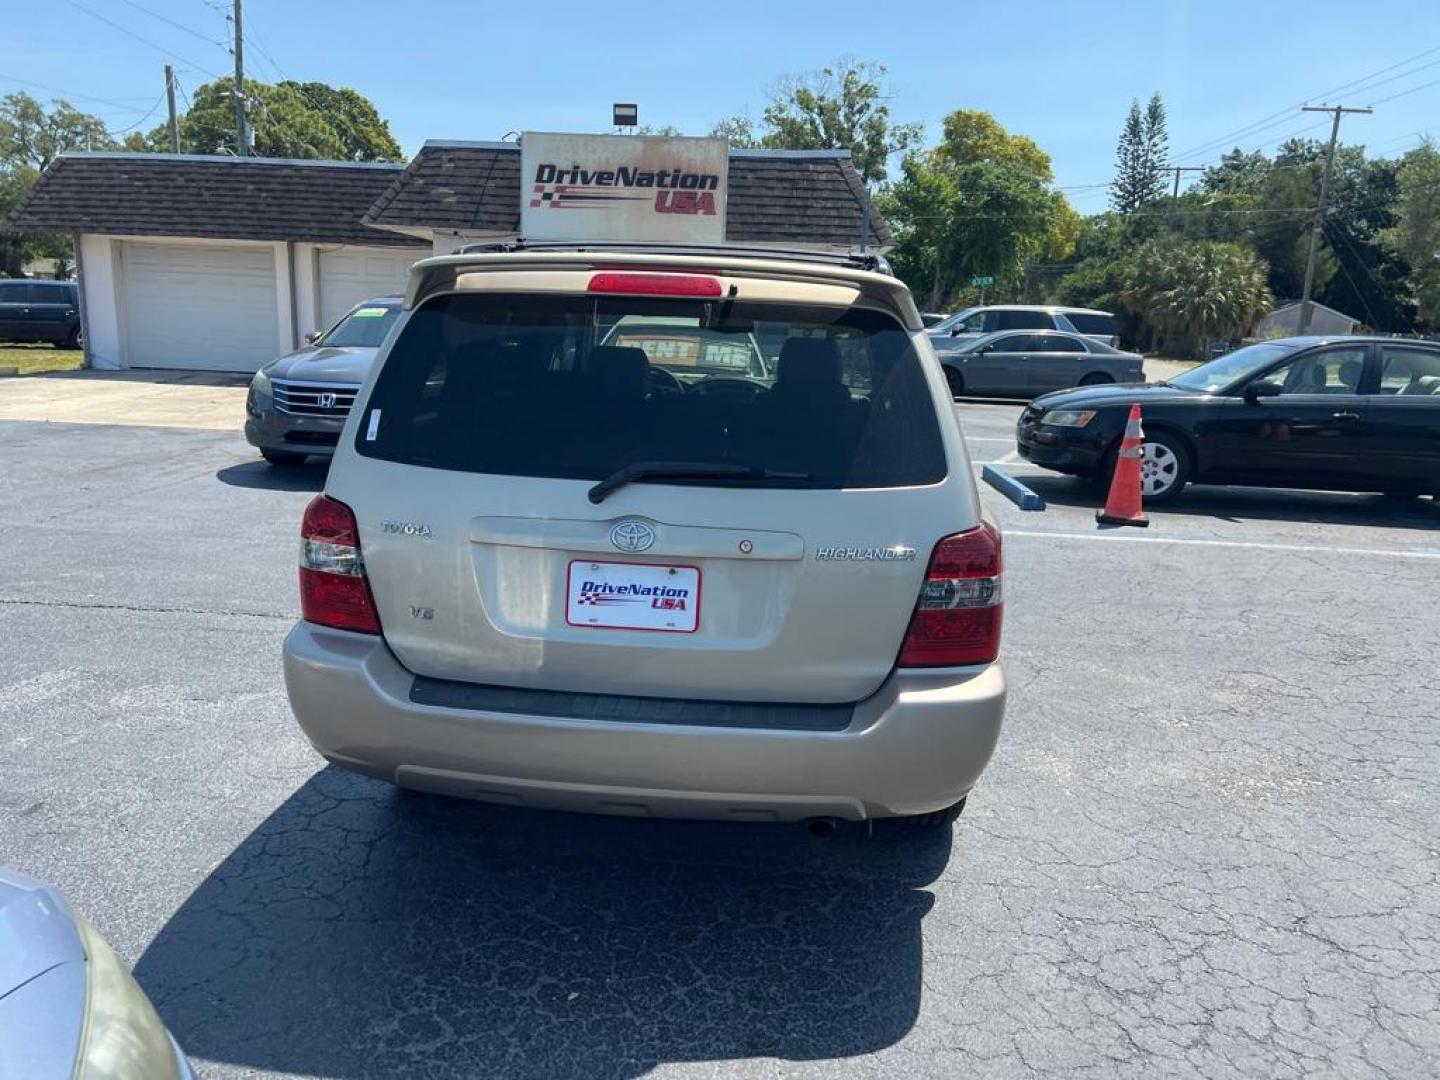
x=625 y=115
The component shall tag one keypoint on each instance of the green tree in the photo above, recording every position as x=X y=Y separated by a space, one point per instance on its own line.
x=288 y=119
x=1415 y=234
x=31 y=137
x=739 y=129
x=840 y=107
x=364 y=135
x=1155 y=145
x=1192 y=292
x=978 y=204
x=970 y=136
x=1140 y=158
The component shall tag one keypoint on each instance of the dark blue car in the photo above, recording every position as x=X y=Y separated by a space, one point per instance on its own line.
x=46 y=311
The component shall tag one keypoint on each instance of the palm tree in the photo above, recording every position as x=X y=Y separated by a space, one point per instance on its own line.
x=1193 y=292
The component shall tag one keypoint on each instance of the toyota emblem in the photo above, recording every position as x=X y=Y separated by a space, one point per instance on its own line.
x=632 y=537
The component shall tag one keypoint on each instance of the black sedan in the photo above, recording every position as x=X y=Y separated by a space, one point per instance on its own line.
x=1336 y=414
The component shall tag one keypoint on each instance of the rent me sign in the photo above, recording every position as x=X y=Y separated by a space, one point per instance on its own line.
x=623 y=187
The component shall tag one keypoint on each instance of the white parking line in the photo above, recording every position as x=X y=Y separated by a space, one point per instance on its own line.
x=1315 y=549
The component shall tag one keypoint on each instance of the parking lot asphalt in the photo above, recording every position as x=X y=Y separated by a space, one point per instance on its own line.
x=1207 y=845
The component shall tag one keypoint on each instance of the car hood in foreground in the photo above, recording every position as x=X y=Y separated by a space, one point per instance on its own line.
x=325 y=364
x=1095 y=397
x=37 y=931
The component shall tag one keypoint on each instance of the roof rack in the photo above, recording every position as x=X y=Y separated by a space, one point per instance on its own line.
x=861 y=260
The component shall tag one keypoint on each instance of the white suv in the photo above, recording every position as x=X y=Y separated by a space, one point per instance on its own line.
x=554 y=571
x=972 y=322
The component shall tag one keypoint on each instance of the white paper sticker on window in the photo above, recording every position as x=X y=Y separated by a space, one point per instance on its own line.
x=374 y=428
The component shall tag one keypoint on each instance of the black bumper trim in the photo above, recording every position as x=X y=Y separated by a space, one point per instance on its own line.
x=620 y=709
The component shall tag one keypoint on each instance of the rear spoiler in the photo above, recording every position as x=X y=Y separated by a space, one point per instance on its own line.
x=440 y=273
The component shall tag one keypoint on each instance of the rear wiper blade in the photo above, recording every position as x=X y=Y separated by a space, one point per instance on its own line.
x=684 y=470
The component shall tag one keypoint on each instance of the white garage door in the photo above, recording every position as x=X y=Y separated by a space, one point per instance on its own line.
x=350 y=275
x=203 y=306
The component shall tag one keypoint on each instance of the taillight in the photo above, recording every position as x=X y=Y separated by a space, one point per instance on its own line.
x=625 y=284
x=957 y=620
x=333 y=588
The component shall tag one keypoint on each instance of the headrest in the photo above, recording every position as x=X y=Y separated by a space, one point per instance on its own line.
x=622 y=369
x=809 y=362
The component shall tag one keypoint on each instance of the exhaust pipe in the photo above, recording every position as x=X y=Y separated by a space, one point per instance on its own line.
x=821 y=827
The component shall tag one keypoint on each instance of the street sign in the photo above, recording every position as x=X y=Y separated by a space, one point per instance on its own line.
x=983 y=280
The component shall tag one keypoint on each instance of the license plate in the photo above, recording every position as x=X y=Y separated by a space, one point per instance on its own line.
x=633 y=596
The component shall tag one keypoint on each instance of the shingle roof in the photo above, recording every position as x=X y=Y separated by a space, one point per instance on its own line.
x=776 y=196
x=209 y=196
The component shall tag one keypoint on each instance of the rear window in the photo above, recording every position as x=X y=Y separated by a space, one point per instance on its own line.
x=1092 y=324
x=565 y=386
x=684 y=347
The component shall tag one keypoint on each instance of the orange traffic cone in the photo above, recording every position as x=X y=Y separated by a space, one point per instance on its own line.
x=1124 y=505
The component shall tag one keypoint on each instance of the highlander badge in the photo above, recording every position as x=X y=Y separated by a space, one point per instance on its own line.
x=866 y=554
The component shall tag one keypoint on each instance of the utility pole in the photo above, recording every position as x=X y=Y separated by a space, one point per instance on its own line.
x=1178 y=169
x=1338 y=111
x=170 y=102
x=242 y=145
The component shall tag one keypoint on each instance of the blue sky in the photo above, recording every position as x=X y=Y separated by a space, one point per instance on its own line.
x=1062 y=73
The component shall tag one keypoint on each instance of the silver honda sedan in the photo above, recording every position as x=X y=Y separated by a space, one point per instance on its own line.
x=1027 y=363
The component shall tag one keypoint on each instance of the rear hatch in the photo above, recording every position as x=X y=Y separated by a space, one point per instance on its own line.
x=771 y=536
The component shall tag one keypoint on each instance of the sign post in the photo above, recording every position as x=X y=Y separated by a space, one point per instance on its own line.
x=982 y=281
x=622 y=187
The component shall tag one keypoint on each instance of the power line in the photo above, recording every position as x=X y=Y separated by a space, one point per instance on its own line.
x=1336 y=112
x=123 y=103
x=1412 y=90
x=1340 y=261
x=1278 y=117
x=143 y=40
x=178 y=26
x=132 y=127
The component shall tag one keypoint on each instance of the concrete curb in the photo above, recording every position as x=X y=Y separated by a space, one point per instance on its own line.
x=1012 y=489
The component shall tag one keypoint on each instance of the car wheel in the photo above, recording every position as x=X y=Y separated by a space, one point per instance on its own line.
x=73 y=339
x=934 y=820
x=282 y=457
x=1164 y=468
x=956 y=382
x=1096 y=378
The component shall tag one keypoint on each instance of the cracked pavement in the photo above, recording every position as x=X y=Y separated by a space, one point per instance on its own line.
x=1208 y=845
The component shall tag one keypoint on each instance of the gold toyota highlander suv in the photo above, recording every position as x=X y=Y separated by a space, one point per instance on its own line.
x=659 y=532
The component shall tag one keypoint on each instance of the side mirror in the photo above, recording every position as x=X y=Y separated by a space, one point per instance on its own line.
x=955 y=331
x=312 y=337
x=1261 y=389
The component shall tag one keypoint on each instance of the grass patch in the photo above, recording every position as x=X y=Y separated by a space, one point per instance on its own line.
x=31 y=359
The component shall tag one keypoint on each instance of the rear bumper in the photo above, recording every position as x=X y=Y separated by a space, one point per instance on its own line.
x=918 y=744
x=275 y=430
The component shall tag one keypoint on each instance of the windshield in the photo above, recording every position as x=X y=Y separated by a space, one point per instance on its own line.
x=948 y=324
x=564 y=386
x=365 y=327
x=1231 y=368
